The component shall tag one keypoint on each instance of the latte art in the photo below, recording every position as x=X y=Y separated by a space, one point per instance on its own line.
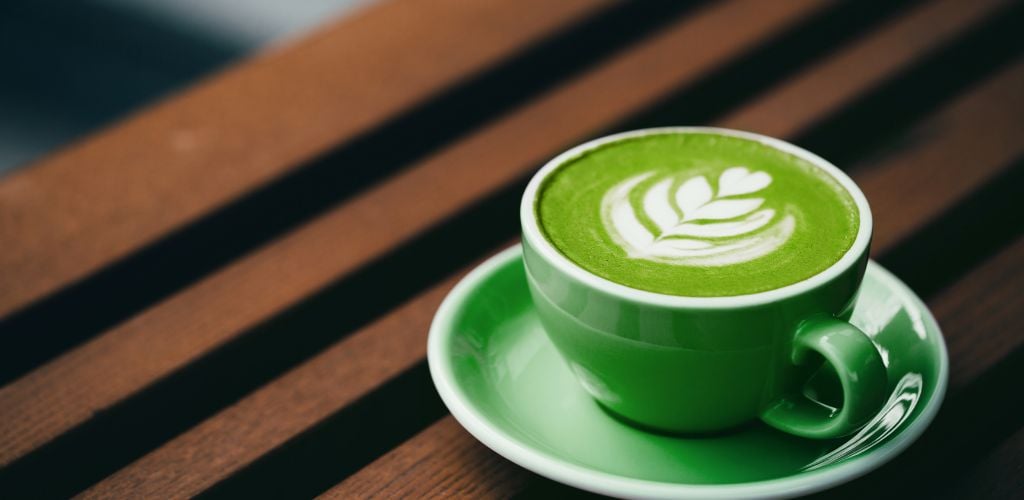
x=692 y=225
x=696 y=214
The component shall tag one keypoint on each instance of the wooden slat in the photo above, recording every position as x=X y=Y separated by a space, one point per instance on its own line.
x=396 y=474
x=97 y=201
x=122 y=361
x=314 y=391
x=967 y=298
x=412 y=468
x=903 y=191
x=797 y=103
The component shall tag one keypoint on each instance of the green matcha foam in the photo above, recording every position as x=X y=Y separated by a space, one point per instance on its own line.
x=696 y=214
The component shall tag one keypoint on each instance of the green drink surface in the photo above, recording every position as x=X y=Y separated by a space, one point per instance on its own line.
x=696 y=214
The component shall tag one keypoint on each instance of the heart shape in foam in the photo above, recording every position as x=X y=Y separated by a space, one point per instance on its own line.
x=740 y=180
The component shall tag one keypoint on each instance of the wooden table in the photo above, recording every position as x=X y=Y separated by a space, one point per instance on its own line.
x=228 y=293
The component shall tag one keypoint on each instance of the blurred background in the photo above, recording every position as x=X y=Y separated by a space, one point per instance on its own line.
x=71 y=66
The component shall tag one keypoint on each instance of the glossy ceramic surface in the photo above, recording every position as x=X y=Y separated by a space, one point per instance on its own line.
x=504 y=381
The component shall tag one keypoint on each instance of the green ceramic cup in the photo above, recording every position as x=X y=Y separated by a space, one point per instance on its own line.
x=695 y=365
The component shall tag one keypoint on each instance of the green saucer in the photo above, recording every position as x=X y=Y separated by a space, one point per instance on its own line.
x=504 y=382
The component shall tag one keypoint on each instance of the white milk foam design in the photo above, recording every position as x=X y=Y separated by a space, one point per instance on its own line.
x=684 y=235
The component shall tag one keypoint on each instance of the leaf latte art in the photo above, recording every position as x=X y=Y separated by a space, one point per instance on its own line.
x=684 y=222
x=695 y=214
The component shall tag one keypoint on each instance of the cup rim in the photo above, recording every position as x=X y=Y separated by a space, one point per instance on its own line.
x=540 y=243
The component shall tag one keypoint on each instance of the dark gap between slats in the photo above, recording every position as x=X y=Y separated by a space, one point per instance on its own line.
x=976 y=419
x=126 y=431
x=110 y=295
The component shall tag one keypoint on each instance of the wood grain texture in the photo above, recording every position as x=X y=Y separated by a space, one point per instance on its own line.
x=402 y=343
x=410 y=463
x=812 y=94
x=96 y=201
x=397 y=474
x=968 y=298
x=294 y=402
x=124 y=360
x=947 y=158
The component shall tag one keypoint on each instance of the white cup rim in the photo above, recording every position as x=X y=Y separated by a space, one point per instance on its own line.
x=536 y=239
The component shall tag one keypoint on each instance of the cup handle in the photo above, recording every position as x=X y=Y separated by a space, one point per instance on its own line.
x=861 y=373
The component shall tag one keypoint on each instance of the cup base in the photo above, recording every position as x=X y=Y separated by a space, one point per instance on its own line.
x=676 y=433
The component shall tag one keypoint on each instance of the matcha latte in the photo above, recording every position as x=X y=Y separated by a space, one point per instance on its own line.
x=696 y=214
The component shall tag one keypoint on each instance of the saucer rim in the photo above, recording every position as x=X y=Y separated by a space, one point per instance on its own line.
x=554 y=468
